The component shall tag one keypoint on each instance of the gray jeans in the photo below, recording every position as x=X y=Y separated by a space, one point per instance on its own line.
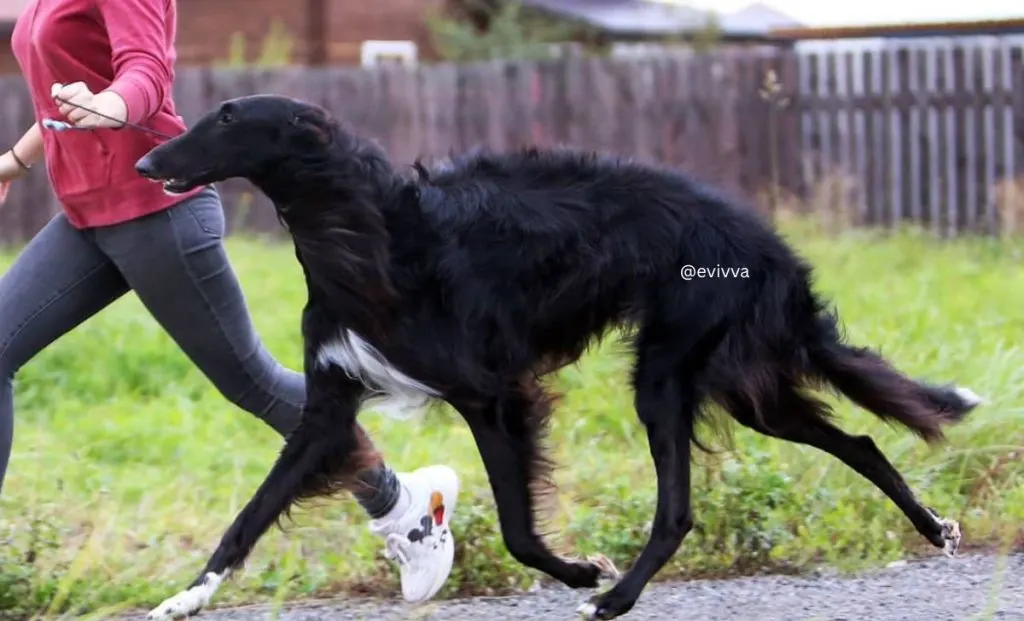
x=175 y=262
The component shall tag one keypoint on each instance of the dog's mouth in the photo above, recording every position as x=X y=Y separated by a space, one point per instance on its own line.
x=180 y=185
x=176 y=186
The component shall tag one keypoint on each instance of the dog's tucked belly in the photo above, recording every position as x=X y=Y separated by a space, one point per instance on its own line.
x=391 y=391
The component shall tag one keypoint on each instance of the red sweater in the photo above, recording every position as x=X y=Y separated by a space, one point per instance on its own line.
x=126 y=46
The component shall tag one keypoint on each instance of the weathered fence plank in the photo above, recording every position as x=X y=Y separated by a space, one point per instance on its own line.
x=925 y=157
x=1017 y=107
x=978 y=135
x=903 y=169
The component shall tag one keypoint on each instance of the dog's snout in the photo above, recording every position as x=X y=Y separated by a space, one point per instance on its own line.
x=146 y=167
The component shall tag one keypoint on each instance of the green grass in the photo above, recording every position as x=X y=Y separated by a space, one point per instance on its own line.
x=128 y=465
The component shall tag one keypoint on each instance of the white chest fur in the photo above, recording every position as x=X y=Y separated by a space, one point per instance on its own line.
x=392 y=392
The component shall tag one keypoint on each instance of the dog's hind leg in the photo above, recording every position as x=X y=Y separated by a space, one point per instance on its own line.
x=666 y=403
x=799 y=418
x=507 y=433
x=318 y=459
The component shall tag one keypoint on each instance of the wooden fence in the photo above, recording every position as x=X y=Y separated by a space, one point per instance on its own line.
x=693 y=112
x=709 y=114
x=931 y=132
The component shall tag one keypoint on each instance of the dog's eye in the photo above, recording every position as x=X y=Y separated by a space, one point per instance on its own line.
x=226 y=118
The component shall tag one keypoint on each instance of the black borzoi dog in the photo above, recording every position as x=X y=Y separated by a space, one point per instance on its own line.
x=470 y=282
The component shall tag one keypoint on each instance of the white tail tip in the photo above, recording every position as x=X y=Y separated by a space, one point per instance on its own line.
x=969 y=396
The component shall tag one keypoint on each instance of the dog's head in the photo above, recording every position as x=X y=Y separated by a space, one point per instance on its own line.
x=248 y=137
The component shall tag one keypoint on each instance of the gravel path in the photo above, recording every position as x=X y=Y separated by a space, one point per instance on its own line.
x=938 y=589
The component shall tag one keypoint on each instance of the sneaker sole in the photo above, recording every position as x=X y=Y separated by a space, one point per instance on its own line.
x=442 y=578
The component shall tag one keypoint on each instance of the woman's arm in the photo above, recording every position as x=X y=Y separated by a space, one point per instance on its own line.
x=27 y=151
x=141 y=56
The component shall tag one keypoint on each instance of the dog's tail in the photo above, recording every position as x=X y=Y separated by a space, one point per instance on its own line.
x=872 y=383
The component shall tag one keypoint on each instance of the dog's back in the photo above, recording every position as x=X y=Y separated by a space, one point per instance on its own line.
x=534 y=254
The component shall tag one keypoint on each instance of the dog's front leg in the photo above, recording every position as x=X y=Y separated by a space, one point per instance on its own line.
x=316 y=460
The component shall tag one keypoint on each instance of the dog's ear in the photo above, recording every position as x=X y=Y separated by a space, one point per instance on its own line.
x=315 y=125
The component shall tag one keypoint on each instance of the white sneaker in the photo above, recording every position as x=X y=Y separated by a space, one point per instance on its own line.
x=419 y=538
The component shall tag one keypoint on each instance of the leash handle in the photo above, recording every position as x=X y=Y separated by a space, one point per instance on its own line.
x=60 y=126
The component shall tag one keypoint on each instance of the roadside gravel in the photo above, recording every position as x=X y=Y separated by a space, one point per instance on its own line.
x=973 y=587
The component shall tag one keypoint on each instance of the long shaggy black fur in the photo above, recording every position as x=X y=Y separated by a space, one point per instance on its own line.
x=480 y=277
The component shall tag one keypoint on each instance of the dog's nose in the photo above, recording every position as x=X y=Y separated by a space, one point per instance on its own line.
x=145 y=167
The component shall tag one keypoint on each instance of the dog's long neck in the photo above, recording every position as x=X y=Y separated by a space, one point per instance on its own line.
x=332 y=203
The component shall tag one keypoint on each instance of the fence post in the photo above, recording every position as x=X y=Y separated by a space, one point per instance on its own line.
x=1015 y=134
x=788 y=68
x=1017 y=80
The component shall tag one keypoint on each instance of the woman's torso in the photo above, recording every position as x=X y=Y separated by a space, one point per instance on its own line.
x=66 y=41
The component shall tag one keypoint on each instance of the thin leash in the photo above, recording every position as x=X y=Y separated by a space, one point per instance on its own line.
x=61 y=126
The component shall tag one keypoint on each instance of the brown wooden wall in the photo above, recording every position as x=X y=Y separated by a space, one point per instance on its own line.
x=349 y=23
x=205 y=27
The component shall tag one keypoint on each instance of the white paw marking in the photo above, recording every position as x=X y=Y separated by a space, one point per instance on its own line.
x=969 y=396
x=396 y=394
x=609 y=574
x=951 y=533
x=587 y=610
x=187 y=603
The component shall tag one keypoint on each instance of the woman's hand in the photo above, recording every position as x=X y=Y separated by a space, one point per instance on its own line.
x=9 y=171
x=78 y=104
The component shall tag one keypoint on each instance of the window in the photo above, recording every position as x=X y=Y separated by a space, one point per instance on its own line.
x=381 y=52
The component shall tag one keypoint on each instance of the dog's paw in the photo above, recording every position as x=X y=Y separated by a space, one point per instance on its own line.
x=605 y=606
x=187 y=603
x=949 y=534
x=607 y=572
x=951 y=537
x=587 y=611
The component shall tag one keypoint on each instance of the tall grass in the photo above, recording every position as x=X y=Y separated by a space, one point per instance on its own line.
x=128 y=464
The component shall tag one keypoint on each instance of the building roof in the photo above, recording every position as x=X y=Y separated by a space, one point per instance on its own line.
x=663 y=17
x=758 y=18
x=11 y=9
x=626 y=16
x=902 y=31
